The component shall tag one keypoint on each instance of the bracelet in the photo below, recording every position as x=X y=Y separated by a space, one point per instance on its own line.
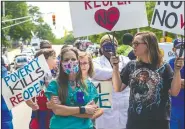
x=82 y=109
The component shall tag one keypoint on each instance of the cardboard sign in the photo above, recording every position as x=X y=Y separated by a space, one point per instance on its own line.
x=104 y=89
x=92 y=17
x=169 y=16
x=25 y=83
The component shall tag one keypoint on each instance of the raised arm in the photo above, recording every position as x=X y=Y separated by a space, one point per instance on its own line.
x=116 y=79
x=176 y=82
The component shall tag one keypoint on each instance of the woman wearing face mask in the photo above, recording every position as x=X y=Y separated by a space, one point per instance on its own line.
x=74 y=112
x=116 y=117
x=151 y=83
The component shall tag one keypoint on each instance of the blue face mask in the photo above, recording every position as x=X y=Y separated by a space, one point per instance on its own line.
x=70 y=67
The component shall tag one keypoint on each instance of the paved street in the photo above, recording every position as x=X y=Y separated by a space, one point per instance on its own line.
x=22 y=113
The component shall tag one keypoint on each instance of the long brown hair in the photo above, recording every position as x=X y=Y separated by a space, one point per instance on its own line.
x=154 y=54
x=63 y=78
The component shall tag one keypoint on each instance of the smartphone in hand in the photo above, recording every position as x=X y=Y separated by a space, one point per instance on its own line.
x=181 y=50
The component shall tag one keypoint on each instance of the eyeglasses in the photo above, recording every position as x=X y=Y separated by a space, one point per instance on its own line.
x=84 y=63
x=135 y=44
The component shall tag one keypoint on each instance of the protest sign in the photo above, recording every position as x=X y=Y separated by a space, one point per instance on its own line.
x=25 y=83
x=169 y=16
x=104 y=89
x=167 y=51
x=92 y=17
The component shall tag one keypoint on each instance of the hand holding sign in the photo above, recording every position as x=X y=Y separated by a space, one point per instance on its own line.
x=32 y=104
x=107 y=18
x=114 y=61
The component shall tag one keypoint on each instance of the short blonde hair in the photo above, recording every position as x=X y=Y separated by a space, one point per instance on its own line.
x=108 y=37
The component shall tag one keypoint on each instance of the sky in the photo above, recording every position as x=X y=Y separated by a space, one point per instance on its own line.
x=62 y=14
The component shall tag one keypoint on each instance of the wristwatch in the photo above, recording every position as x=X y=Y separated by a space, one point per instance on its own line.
x=82 y=109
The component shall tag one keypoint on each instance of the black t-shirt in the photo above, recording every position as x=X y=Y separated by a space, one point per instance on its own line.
x=149 y=96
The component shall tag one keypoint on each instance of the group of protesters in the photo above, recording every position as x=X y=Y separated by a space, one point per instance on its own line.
x=148 y=93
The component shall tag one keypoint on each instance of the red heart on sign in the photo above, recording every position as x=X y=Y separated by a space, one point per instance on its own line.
x=107 y=18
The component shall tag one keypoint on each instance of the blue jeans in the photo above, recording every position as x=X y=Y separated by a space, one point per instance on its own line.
x=177 y=118
x=7 y=125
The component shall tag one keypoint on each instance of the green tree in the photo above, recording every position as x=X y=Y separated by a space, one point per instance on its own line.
x=17 y=10
x=23 y=31
x=45 y=32
x=35 y=12
x=4 y=32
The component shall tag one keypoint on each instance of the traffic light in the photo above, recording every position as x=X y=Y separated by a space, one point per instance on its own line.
x=53 y=18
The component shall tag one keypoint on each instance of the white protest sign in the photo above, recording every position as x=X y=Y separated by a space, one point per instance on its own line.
x=169 y=16
x=167 y=50
x=25 y=83
x=92 y=17
x=104 y=89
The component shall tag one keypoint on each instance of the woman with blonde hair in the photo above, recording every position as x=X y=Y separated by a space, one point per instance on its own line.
x=149 y=102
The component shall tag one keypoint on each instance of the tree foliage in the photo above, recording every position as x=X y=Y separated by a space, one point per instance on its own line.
x=68 y=39
x=23 y=31
x=45 y=32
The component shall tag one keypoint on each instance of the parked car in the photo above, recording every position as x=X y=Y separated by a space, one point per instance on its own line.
x=20 y=61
